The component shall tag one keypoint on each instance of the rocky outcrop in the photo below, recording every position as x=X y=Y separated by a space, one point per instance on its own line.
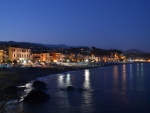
x=39 y=85
x=80 y=89
x=10 y=87
x=36 y=96
x=70 y=88
x=10 y=91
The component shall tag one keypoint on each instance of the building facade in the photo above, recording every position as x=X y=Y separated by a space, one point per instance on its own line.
x=22 y=55
x=46 y=57
x=57 y=57
x=1 y=56
x=42 y=56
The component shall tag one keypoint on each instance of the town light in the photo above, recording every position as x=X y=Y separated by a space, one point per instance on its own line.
x=55 y=60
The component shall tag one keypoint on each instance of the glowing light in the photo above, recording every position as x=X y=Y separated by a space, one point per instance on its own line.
x=86 y=60
x=68 y=79
x=87 y=79
x=55 y=60
x=60 y=80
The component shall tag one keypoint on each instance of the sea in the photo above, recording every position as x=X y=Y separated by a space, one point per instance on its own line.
x=113 y=89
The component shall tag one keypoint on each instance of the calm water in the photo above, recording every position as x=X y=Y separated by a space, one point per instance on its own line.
x=114 y=89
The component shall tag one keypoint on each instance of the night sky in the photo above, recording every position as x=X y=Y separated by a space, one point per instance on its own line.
x=106 y=24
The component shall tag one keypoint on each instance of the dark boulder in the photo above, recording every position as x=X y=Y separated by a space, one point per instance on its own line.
x=70 y=88
x=36 y=96
x=80 y=89
x=10 y=87
x=39 y=85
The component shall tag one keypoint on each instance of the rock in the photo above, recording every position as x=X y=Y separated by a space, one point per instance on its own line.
x=10 y=87
x=70 y=88
x=39 y=85
x=80 y=89
x=35 y=83
x=36 y=96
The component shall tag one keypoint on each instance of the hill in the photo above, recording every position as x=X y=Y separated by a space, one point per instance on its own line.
x=134 y=51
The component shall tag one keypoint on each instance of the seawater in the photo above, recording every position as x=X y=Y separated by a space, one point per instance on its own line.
x=113 y=89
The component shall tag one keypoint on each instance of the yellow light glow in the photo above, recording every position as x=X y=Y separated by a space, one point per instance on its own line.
x=55 y=60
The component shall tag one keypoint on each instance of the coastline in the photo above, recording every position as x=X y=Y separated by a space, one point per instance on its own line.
x=20 y=76
x=11 y=78
x=27 y=74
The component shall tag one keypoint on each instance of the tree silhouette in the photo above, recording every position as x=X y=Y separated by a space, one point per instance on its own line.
x=9 y=61
x=15 y=62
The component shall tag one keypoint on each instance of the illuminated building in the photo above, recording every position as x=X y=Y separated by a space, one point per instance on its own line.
x=36 y=57
x=57 y=57
x=22 y=55
x=3 y=57
x=45 y=56
x=41 y=56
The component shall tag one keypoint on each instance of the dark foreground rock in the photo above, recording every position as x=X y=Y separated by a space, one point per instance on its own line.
x=11 y=93
x=36 y=96
x=80 y=89
x=69 y=88
x=10 y=87
x=39 y=85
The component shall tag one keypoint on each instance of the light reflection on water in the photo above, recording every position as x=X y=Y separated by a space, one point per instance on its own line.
x=121 y=88
x=60 y=80
x=140 y=77
x=131 y=77
x=87 y=95
x=124 y=77
x=142 y=73
x=115 y=77
x=68 y=83
x=87 y=79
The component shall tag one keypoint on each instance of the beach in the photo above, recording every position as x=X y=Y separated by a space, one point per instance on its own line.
x=11 y=78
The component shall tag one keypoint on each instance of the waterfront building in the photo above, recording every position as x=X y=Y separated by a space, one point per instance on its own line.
x=15 y=52
x=73 y=57
x=57 y=57
x=2 y=56
x=65 y=57
x=46 y=57
x=36 y=57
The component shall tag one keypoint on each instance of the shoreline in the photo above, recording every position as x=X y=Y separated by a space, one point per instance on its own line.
x=27 y=74
x=10 y=78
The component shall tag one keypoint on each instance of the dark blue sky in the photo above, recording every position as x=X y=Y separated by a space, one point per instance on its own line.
x=101 y=23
